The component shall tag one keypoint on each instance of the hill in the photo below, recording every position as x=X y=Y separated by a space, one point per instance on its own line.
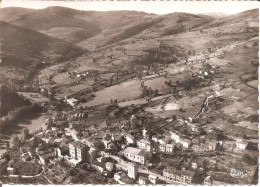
x=141 y=24
x=105 y=28
x=10 y=13
x=243 y=19
x=58 y=22
x=22 y=47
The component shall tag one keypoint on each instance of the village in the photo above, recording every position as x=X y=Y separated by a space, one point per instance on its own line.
x=174 y=109
x=125 y=144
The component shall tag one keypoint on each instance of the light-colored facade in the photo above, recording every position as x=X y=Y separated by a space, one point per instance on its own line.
x=135 y=154
x=144 y=144
x=143 y=180
x=132 y=170
x=169 y=148
x=78 y=151
x=129 y=139
x=153 y=179
x=241 y=144
x=184 y=177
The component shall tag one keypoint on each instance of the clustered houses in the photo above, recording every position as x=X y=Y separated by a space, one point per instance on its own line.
x=207 y=146
x=108 y=153
x=176 y=137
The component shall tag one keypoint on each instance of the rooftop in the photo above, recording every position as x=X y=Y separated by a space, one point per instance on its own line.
x=129 y=136
x=178 y=172
x=135 y=151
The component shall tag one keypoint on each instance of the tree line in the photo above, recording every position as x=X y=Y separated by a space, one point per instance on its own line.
x=12 y=117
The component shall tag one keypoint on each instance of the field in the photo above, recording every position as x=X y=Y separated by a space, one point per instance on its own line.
x=126 y=91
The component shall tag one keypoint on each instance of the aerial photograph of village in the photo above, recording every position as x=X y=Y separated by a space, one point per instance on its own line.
x=128 y=96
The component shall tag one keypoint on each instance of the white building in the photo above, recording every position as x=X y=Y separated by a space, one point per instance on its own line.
x=130 y=139
x=153 y=179
x=135 y=154
x=241 y=144
x=109 y=166
x=144 y=144
x=73 y=102
x=169 y=148
x=132 y=170
x=175 y=137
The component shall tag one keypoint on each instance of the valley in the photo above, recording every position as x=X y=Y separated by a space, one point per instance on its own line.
x=175 y=75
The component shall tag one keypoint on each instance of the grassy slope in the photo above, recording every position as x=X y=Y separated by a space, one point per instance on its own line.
x=54 y=21
x=22 y=47
x=11 y=13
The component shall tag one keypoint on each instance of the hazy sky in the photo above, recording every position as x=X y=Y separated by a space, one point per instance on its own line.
x=156 y=6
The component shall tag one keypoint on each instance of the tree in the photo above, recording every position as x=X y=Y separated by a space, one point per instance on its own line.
x=25 y=133
x=205 y=164
x=15 y=141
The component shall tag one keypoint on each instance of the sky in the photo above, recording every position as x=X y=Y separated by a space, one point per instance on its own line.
x=152 y=6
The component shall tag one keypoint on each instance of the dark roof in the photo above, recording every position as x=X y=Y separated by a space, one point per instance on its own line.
x=80 y=145
x=144 y=178
x=127 y=180
x=64 y=149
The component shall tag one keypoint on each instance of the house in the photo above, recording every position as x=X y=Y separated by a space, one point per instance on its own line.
x=144 y=132
x=91 y=142
x=10 y=171
x=208 y=180
x=144 y=144
x=207 y=146
x=185 y=142
x=91 y=154
x=132 y=169
x=109 y=166
x=241 y=144
x=175 y=136
x=99 y=165
x=135 y=154
x=143 y=180
x=169 y=148
x=184 y=177
x=73 y=102
x=212 y=135
x=62 y=151
x=155 y=138
x=3 y=166
x=153 y=179
x=26 y=157
x=44 y=159
x=121 y=178
x=130 y=139
x=162 y=147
